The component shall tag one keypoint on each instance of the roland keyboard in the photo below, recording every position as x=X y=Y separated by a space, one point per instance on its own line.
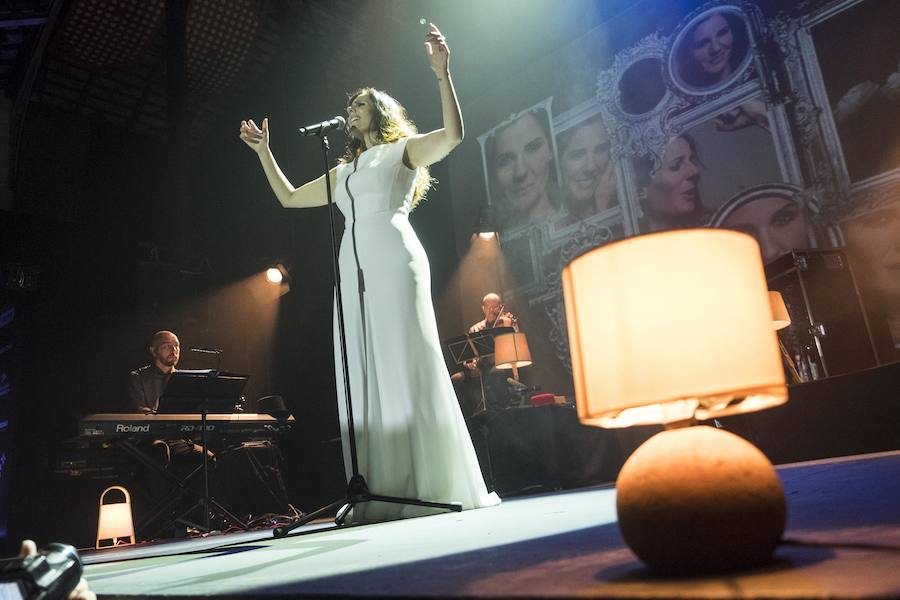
x=179 y=425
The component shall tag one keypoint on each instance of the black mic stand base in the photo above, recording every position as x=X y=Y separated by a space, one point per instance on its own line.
x=358 y=493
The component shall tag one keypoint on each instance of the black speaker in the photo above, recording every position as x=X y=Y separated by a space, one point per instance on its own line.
x=829 y=334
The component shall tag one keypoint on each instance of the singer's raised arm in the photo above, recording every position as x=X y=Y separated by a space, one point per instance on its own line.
x=423 y=150
x=308 y=195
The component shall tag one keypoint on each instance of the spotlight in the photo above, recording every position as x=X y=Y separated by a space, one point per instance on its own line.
x=274 y=275
x=487 y=223
x=278 y=273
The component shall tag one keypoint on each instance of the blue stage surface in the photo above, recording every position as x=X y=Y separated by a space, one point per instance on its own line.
x=842 y=540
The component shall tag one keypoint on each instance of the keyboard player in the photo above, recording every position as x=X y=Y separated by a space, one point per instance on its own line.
x=146 y=385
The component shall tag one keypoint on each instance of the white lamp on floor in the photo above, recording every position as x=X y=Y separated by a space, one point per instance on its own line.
x=114 y=525
x=666 y=329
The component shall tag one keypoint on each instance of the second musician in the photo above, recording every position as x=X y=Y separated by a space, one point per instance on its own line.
x=495 y=315
x=480 y=386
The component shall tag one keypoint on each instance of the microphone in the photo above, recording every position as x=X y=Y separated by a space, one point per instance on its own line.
x=206 y=350
x=336 y=123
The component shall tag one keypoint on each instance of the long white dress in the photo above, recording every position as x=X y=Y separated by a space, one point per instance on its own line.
x=411 y=439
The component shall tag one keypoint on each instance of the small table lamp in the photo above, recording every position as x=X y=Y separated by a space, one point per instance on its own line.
x=780 y=316
x=669 y=328
x=781 y=319
x=511 y=352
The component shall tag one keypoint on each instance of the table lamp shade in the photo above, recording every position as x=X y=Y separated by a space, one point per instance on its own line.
x=511 y=350
x=671 y=326
x=780 y=316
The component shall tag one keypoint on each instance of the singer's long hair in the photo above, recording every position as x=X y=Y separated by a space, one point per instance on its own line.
x=390 y=123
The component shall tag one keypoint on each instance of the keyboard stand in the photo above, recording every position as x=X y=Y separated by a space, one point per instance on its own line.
x=181 y=489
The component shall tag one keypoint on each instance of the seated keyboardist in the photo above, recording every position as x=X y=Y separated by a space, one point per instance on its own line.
x=146 y=385
x=148 y=382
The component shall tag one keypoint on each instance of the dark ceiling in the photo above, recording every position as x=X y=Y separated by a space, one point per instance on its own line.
x=147 y=67
x=107 y=59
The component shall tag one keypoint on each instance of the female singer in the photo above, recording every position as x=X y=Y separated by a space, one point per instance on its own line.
x=411 y=439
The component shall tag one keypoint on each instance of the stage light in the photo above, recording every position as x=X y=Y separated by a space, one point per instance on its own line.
x=670 y=328
x=278 y=273
x=273 y=275
x=487 y=223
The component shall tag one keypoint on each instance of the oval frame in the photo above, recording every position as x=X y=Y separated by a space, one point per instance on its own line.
x=627 y=73
x=608 y=94
x=672 y=67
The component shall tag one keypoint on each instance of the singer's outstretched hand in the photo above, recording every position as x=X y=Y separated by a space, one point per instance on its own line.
x=253 y=136
x=308 y=195
x=437 y=51
x=427 y=149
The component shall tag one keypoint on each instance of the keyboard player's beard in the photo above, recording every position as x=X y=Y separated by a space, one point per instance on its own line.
x=167 y=361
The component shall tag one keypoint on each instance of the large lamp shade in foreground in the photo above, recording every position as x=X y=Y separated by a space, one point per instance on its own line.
x=667 y=328
x=670 y=326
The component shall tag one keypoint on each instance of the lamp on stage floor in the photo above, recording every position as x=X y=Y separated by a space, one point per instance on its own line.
x=114 y=525
x=671 y=328
x=511 y=352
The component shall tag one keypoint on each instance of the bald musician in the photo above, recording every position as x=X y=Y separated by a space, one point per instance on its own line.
x=479 y=383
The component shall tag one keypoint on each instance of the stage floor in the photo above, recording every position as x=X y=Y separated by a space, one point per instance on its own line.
x=843 y=541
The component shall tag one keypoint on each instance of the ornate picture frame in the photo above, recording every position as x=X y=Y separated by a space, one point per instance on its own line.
x=712 y=50
x=819 y=100
x=505 y=148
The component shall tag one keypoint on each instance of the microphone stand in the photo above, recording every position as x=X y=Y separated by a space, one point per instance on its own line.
x=357 y=489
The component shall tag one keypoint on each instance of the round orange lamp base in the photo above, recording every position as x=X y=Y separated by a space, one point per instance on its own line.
x=700 y=500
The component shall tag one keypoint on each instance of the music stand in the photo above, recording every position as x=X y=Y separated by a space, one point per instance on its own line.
x=475 y=346
x=199 y=391
x=470 y=347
